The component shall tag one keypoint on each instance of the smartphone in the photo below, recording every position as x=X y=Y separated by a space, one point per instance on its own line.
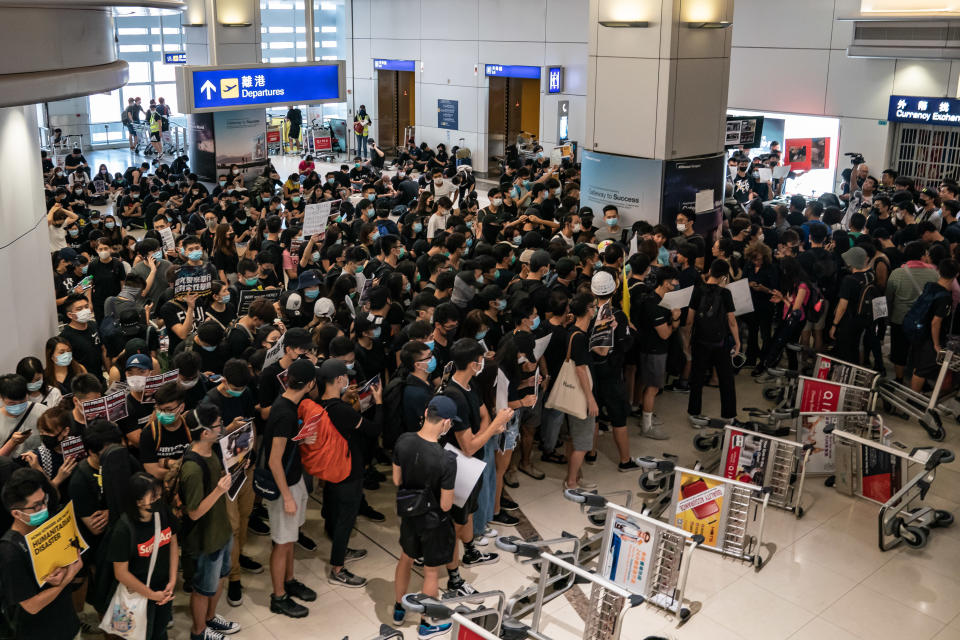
x=215 y=378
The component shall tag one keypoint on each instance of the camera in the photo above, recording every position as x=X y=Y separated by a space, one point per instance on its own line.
x=855 y=158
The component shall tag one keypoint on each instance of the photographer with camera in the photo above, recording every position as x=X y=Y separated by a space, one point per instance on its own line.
x=855 y=177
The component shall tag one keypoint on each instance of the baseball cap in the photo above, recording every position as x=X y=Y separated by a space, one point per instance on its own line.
x=444 y=408
x=70 y=255
x=293 y=302
x=603 y=283
x=300 y=372
x=331 y=369
x=526 y=255
x=540 y=259
x=855 y=258
x=324 y=308
x=139 y=361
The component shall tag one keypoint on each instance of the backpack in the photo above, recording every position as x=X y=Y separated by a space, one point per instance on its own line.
x=824 y=267
x=813 y=306
x=871 y=290
x=173 y=491
x=393 y=407
x=916 y=325
x=328 y=458
x=709 y=321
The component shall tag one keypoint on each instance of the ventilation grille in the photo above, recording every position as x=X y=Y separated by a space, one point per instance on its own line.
x=875 y=33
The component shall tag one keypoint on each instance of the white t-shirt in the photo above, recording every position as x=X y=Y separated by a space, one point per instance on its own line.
x=58 y=238
x=436 y=223
x=8 y=423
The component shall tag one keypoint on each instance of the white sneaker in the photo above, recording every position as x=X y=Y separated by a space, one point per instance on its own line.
x=482 y=541
x=490 y=532
x=655 y=433
x=657 y=420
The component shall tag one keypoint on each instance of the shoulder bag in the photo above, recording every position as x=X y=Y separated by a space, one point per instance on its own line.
x=566 y=395
x=126 y=615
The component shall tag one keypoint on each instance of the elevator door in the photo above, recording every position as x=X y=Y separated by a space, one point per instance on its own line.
x=514 y=110
x=396 y=108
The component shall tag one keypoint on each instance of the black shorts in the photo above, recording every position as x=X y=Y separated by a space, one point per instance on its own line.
x=294 y=131
x=434 y=544
x=898 y=345
x=459 y=515
x=923 y=359
x=155 y=136
x=612 y=395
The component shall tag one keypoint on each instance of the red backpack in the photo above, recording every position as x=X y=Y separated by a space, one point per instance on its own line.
x=328 y=458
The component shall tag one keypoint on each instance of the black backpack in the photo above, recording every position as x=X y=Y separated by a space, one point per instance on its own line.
x=710 y=319
x=393 y=407
x=864 y=309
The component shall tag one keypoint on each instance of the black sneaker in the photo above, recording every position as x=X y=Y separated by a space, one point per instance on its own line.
x=344 y=578
x=629 y=465
x=258 y=526
x=287 y=607
x=306 y=543
x=370 y=484
x=505 y=519
x=355 y=554
x=680 y=386
x=418 y=562
x=474 y=557
x=234 y=593
x=259 y=511
x=508 y=504
x=590 y=458
x=371 y=514
x=300 y=591
x=250 y=565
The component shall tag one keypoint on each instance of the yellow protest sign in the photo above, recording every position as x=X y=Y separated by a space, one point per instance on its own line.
x=56 y=543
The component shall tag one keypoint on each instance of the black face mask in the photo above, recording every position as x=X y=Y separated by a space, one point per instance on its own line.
x=50 y=442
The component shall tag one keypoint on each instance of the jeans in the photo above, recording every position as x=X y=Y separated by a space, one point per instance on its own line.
x=488 y=492
x=341 y=501
x=362 y=146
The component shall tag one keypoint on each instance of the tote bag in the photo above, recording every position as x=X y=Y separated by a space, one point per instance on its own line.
x=126 y=616
x=566 y=395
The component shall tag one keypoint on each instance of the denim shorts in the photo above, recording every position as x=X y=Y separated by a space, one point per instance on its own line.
x=508 y=439
x=211 y=568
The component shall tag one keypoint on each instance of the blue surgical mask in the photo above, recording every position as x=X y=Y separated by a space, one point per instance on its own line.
x=469 y=224
x=371 y=197
x=110 y=224
x=17 y=409
x=501 y=305
x=407 y=287
x=311 y=294
x=536 y=323
x=432 y=365
x=208 y=347
x=430 y=344
x=73 y=232
x=331 y=181
x=516 y=241
x=158 y=255
x=64 y=359
x=252 y=282
x=374 y=236
x=469 y=242
x=598 y=264
x=377 y=332
x=417 y=227
x=84 y=269
x=296 y=199
x=480 y=335
x=233 y=393
x=166 y=417
x=350 y=365
x=38 y=518
x=611 y=222
x=480 y=280
x=33 y=387
x=195 y=255
x=226 y=298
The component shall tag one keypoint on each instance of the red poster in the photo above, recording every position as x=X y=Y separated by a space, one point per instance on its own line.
x=823 y=369
x=805 y=154
x=322 y=143
x=819 y=395
x=273 y=136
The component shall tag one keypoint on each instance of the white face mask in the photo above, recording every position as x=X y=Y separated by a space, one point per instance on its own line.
x=681 y=227
x=84 y=316
x=480 y=370
x=188 y=384
x=576 y=228
x=104 y=255
x=137 y=383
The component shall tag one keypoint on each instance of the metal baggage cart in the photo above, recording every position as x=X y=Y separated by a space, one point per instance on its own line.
x=728 y=514
x=274 y=139
x=928 y=411
x=764 y=460
x=829 y=368
x=896 y=479
x=469 y=623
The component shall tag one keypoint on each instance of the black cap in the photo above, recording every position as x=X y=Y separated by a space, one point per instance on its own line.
x=300 y=373
x=331 y=369
x=540 y=259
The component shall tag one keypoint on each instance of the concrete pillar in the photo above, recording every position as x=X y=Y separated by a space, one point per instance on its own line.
x=232 y=26
x=29 y=315
x=657 y=80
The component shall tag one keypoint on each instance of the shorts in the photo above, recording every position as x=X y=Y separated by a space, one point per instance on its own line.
x=130 y=129
x=294 y=131
x=822 y=322
x=435 y=545
x=211 y=568
x=899 y=347
x=581 y=431
x=923 y=359
x=612 y=395
x=155 y=136
x=460 y=515
x=507 y=441
x=653 y=369
x=285 y=528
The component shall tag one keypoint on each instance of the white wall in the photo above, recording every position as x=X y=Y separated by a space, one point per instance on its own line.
x=453 y=39
x=790 y=57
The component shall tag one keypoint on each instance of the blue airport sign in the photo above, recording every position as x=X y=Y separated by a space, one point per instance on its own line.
x=554 y=79
x=227 y=88
x=175 y=58
x=381 y=64
x=945 y=111
x=512 y=71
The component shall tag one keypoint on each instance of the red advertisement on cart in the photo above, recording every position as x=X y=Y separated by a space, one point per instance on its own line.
x=818 y=396
x=882 y=474
x=746 y=457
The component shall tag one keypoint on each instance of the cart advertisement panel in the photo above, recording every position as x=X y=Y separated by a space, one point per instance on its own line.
x=745 y=457
x=882 y=474
x=630 y=554
x=823 y=396
x=699 y=507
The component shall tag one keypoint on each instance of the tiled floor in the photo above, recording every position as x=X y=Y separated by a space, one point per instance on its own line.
x=826 y=581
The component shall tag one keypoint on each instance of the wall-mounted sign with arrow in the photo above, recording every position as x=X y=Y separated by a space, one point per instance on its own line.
x=207 y=88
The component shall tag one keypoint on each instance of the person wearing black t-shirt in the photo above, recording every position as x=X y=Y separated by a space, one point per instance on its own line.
x=297 y=343
x=656 y=326
x=847 y=326
x=923 y=353
x=165 y=436
x=44 y=613
x=420 y=464
x=81 y=333
x=287 y=512
x=294 y=120
x=712 y=314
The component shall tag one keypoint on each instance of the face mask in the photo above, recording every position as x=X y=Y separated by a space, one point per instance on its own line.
x=374 y=236
x=78 y=191
x=350 y=365
x=417 y=227
x=211 y=224
x=64 y=359
x=233 y=393
x=223 y=183
x=376 y=333
x=17 y=409
x=315 y=256
x=236 y=172
x=539 y=154
x=575 y=228
x=497 y=202
x=226 y=298
x=84 y=316
x=598 y=264
x=438 y=182
x=469 y=242
x=34 y=386
x=311 y=294
x=344 y=388
x=432 y=365
x=536 y=323
x=406 y=288
x=681 y=227
x=50 y=442
x=38 y=518
x=109 y=224
x=371 y=197
x=134 y=196
x=188 y=384
x=480 y=370
x=84 y=268
x=104 y=255
x=356 y=165
x=137 y=383
x=251 y=282
x=516 y=241
x=209 y=347
x=611 y=222
x=330 y=181
x=430 y=344
x=296 y=199
x=73 y=232
x=556 y=192
x=95 y=222
x=480 y=335
x=166 y=418
x=195 y=255
x=501 y=305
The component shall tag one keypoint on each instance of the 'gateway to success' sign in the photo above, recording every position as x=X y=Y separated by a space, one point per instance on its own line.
x=204 y=89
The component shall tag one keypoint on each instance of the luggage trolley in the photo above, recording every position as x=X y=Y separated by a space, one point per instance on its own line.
x=469 y=623
x=882 y=474
x=926 y=411
x=829 y=368
x=719 y=509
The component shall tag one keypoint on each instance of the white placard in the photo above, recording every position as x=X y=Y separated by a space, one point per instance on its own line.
x=779 y=173
x=503 y=386
x=678 y=299
x=764 y=175
x=275 y=352
x=879 y=307
x=169 y=244
x=634 y=248
x=742 y=300
x=540 y=346
x=315 y=218
x=704 y=201
x=469 y=470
